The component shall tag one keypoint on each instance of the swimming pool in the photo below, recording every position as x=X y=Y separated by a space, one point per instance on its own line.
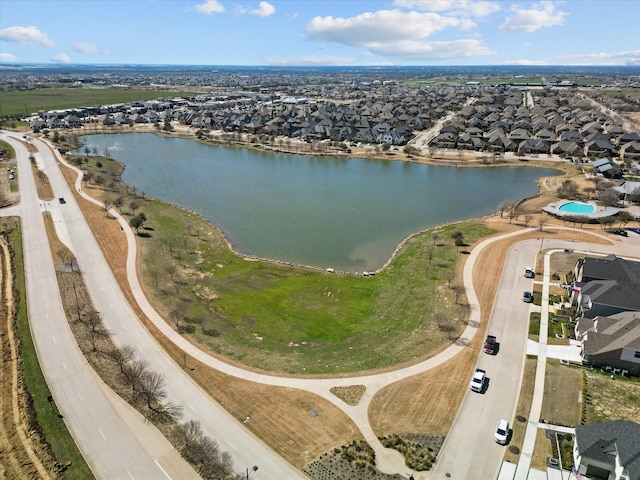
x=577 y=207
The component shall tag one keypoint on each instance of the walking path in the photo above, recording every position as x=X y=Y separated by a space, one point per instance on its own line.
x=387 y=460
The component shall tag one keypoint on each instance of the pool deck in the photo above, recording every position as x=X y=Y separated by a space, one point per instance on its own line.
x=600 y=212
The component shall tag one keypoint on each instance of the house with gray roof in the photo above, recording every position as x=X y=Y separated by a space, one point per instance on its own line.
x=611 y=341
x=606 y=286
x=608 y=451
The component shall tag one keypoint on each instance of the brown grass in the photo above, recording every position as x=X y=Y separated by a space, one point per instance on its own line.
x=281 y=416
x=562 y=386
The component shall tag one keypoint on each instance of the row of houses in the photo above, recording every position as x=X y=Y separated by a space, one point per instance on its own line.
x=537 y=122
x=389 y=117
x=606 y=294
x=494 y=118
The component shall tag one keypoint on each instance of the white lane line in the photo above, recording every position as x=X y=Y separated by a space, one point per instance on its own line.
x=64 y=365
x=231 y=444
x=102 y=434
x=54 y=338
x=189 y=405
x=80 y=396
x=131 y=476
x=166 y=474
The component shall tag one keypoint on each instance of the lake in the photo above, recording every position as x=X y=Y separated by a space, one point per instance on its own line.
x=345 y=213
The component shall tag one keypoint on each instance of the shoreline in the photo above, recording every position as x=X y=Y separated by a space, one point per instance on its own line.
x=190 y=135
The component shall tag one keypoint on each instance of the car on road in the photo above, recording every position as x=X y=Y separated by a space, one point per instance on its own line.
x=635 y=230
x=501 y=434
x=62 y=200
x=528 y=272
x=527 y=296
x=490 y=345
x=477 y=381
x=622 y=233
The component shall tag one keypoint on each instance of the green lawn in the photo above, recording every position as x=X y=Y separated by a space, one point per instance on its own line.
x=31 y=101
x=53 y=427
x=295 y=320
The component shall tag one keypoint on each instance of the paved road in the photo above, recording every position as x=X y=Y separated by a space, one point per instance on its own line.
x=472 y=431
x=483 y=411
x=114 y=439
x=245 y=449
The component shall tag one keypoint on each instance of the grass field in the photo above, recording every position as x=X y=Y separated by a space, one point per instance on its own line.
x=29 y=102
x=293 y=320
x=53 y=426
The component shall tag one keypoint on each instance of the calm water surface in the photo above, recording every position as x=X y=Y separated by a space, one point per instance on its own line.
x=349 y=214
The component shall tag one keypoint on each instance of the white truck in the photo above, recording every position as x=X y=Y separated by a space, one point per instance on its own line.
x=477 y=381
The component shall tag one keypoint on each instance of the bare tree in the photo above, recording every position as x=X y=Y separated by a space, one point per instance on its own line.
x=431 y=251
x=542 y=221
x=118 y=202
x=134 y=206
x=527 y=219
x=134 y=372
x=609 y=197
x=41 y=176
x=435 y=236
x=568 y=189
x=123 y=355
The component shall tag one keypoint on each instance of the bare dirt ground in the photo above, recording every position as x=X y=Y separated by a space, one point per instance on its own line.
x=281 y=417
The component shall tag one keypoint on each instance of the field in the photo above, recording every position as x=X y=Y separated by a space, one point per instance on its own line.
x=29 y=102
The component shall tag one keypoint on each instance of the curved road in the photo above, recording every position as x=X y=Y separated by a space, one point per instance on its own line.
x=115 y=440
x=476 y=418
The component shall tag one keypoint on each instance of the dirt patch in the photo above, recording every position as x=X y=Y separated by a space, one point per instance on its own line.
x=350 y=395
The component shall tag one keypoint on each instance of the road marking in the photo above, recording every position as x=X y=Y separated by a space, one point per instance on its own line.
x=189 y=405
x=160 y=467
x=102 y=434
x=54 y=339
x=131 y=476
x=231 y=444
x=80 y=396
x=64 y=365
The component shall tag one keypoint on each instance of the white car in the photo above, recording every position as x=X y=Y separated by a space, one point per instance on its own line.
x=528 y=272
x=477 y=381
x=502 y=432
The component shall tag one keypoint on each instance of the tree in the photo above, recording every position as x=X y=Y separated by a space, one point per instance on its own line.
x=137 y=222
x=118 y=202
x=458 y=238
x=624 y=218
x=134 y=206
x=99 y=180
x=134 y=372
x=527 y=219
x=609 y=197
x=99 y=164
x=568 y=189
x=41 y=176
x=542 y=222
x=123 y=355
x=435 y=236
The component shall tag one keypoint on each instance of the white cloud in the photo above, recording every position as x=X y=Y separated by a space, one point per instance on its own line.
x=84 y=47
x=423 y=51
x=7 y=57
x=468 y=8
x=541 y=15
x=61 y=58
x=381 y=26
x=400 y=35
x=264 y=10
x=628 y=57
x=26 y=35
x=209 y=7
x=311 y=60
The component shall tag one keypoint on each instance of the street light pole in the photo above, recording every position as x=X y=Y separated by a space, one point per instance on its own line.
x=253 y=469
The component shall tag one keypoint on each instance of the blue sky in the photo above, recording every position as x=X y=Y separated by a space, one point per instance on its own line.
x=321 y=32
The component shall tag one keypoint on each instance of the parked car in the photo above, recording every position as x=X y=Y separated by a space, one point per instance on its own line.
x=62 y=200
x=501 y=434
x=635 y=230
x=528 y=272
x=527 y=296
x=490 y=345
x=477 y=381
x=622 y=233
